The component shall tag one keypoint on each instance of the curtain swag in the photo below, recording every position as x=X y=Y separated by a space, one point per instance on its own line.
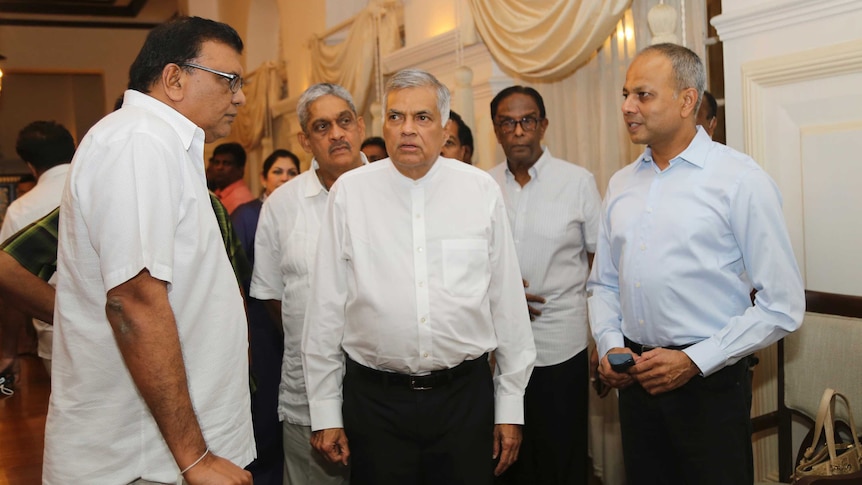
x=545 y=40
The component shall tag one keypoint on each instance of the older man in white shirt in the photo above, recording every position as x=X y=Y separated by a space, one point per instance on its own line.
x=416 y=280
x=554 y=209
x=285 y=245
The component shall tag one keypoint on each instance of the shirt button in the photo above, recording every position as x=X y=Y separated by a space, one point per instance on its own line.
x=638 y=284
x=643 y=247
x=421 y=284
x=641 y=321
x=419 y=216
x=419 y=249
x=422 y=319
x=425 y=355
x=649 y=210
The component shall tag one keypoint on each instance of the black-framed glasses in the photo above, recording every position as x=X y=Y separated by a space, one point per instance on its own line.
x=236 y=81
x=528 y=123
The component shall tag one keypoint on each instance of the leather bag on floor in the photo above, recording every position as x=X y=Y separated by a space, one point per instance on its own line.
x=825 y=461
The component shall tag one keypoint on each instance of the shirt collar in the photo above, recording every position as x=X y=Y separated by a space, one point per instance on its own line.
x=537 y=168
x=694 y=153
x=313 y=186
x=184 y=127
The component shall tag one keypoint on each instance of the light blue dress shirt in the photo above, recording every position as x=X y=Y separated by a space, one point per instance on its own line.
x=679 y=251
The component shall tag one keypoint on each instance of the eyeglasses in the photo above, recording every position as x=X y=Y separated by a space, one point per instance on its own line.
x=236 y=82
x=528 y=123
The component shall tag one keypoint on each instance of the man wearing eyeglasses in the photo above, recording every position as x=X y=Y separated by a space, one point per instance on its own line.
x=150 y=375
x=553 y=208
x=285 y=246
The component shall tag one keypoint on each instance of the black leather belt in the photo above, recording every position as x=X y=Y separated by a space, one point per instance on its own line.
x=426 y=382
x=640 y=348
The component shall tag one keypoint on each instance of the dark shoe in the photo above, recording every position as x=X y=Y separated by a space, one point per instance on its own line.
x=7 y=380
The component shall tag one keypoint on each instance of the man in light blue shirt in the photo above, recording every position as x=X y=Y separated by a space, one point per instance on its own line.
x=688 y=230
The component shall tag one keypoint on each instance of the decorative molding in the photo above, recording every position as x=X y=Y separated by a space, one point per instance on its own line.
x=829 y=61
x=436 y=53
x=776 y=15
x=833 y=304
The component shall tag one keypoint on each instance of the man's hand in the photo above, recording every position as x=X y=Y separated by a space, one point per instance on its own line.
x=534 y=312
x=663 y=370
x=216 y=470
x=507 y=443
x=619 y=380
x=598 y=384
x=332 y=444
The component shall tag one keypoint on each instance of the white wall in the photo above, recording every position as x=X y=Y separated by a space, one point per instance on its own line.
x=109 y=52
x=792 y=74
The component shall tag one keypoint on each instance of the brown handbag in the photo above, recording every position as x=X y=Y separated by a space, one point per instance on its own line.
x=830 y=462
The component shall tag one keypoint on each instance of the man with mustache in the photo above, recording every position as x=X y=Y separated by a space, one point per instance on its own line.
x=285 y=246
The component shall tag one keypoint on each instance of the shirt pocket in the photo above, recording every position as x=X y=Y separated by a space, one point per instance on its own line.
x=465 y=266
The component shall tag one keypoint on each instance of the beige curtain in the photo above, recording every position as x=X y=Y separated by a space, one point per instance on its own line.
x=263 y=88
x=545 y=40
x=352 y=63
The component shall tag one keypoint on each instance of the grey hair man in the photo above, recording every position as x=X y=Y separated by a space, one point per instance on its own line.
x=406 y=305
x=687 y=231
x=285 y=246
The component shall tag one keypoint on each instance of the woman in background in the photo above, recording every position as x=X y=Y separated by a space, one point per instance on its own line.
x=265 y=336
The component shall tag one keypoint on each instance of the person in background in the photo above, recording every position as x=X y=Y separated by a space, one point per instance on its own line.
x=47 y=148
x=225 y=173
x=415 y=281
x=687 y=231
x=459 y=140
x=553 y=208
x=265 y=335
x=707 y=115
x=279 y=167
x=374 y=148
x=150 y=377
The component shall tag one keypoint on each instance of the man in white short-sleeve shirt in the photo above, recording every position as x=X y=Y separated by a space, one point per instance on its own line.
x=415 y=281
x=47 y=147
x=554 y=209
x=285 y=246
x=150 y=363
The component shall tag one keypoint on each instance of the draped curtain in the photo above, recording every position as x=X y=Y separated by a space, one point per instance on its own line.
x=263 y=88
x=545 y=40
x=352 y=63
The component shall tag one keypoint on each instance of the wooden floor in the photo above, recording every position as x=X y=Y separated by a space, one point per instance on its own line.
x=22 y=425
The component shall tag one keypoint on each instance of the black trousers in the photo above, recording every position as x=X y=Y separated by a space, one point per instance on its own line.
x=698 y=434
x=554 y=450
x=400 y=436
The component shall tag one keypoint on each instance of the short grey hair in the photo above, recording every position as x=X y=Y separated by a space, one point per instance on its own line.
x=417 y=78
x=314 y=93
x=688 y=69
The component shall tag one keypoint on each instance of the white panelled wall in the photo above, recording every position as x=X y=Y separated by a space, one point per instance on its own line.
x=792 y=74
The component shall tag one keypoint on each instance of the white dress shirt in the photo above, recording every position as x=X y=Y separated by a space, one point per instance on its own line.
x=136 y=198
x=412 y=277
x=679 y=251
x=285 y=246
x=555 y=220
x=29 y=208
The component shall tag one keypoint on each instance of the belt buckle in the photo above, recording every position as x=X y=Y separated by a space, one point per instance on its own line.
x=416 y=387
x=647 y=348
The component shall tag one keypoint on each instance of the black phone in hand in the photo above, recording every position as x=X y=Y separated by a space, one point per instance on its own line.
x=621 y=362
